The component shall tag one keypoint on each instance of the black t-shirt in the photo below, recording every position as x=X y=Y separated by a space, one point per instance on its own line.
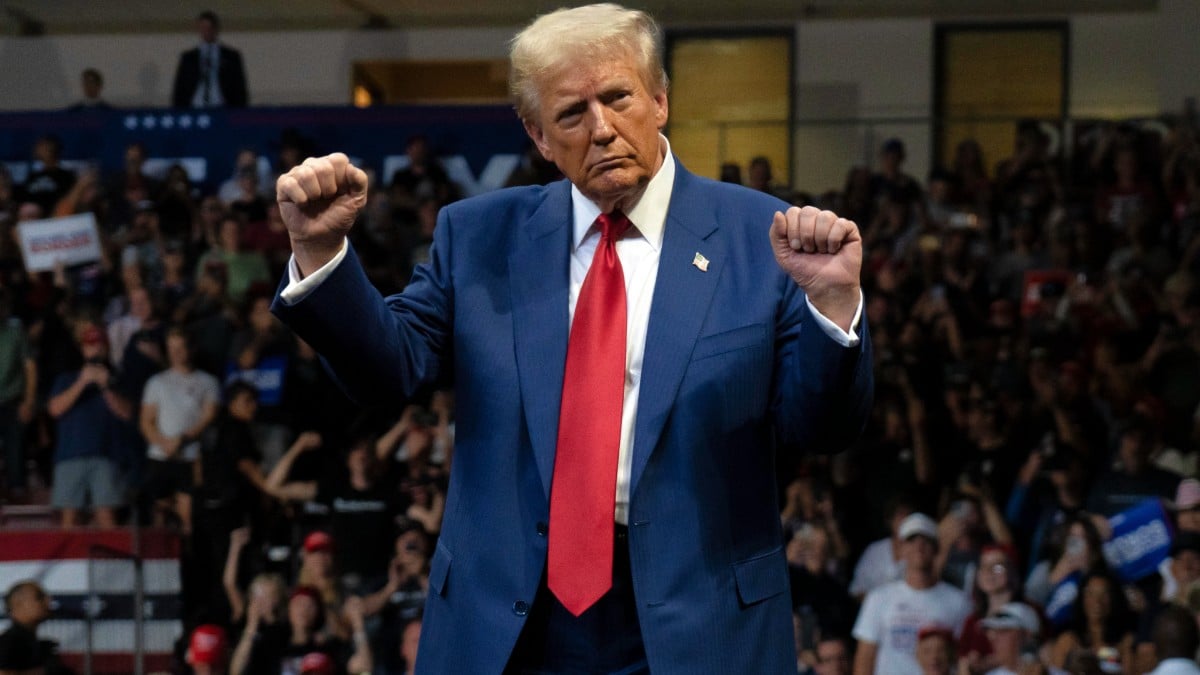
x=223 y=447
x=46 y=187
x=362 y=519
x=20 y=649
x=273 y=652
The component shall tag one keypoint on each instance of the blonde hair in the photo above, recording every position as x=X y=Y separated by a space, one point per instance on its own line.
x=592 y=32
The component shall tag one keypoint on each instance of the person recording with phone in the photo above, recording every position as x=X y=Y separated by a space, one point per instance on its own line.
x=87 y=412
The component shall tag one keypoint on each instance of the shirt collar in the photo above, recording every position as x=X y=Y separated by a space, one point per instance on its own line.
x=649 y=215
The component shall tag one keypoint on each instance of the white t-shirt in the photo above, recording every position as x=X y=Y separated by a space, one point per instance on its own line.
x=179 y=399
x=893 y=614
x=875 y=568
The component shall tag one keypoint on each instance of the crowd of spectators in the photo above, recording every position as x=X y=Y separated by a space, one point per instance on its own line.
x=1037 y=331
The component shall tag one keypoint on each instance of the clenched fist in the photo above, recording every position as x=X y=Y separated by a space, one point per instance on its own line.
x=822 y=253
x=318 y=201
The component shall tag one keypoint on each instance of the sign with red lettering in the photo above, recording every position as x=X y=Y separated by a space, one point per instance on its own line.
x=71 y=240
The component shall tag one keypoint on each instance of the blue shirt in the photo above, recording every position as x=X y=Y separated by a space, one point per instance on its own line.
x=86 y=429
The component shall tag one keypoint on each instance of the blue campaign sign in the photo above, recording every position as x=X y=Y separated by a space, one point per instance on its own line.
x=267 y=377
x=1061 y=604
x=479 y=145
x=1141 y=539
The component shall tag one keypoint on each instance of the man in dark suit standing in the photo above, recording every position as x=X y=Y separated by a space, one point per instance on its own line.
x=210 y=75
x=628 y=349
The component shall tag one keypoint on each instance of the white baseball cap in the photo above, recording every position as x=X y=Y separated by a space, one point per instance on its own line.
x=918 y=524
x=1015 y=615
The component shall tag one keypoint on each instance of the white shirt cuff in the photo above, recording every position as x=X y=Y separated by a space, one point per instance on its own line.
x=835 y=331
x=300 y=286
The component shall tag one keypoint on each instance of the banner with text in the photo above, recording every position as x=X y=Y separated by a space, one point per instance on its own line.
x=70 y=240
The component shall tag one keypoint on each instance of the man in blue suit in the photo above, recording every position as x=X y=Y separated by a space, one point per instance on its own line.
x=737 y=325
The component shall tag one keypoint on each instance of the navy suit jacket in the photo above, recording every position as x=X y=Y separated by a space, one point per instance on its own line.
x=733 y=362
x=231 y=75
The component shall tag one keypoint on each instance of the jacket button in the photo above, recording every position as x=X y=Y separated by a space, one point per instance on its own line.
x=520 y=608
x=542 y=529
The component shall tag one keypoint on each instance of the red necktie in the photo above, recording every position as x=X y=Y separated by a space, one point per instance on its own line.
x=584 y=486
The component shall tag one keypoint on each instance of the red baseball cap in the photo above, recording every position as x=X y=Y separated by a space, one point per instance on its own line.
x=207 y=645
x=316 y=663
x=92 y=335
x=933 y=630
x=318 y=541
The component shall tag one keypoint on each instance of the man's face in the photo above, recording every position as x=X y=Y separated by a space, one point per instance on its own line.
x=599 y=123
x=832 y=658
x=177 y=351
x=1186 y=567
x=135 y=157
x=91 y=86
x=243 y=406
x=1006 y=642
x=1189 y=520
x=207 y=30
x=918 y=552
x=933 y=653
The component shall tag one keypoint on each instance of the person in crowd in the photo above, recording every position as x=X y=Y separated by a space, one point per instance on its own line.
x=138 y=315
x=261 y=352
x=264 y=598
x=760 y=177
x=400 y=601
x=1176 y=641
x=318 y=570
x=269 y=238
x=934 y=650
x=177 y=202
x=1075 y=549
x=231 y=188
x=131 y=185
x=972 y=521
x=882 y=561
x=306 y=620
x=891 y=615
x=1134 y=478
x=88 y=415
x=1014 y=631
x=21 y=651
x=422 y=179
x=177 y=407
x=18 y=395
x=1051 y=488
x=891 y=182
x=817 y=595
x=1101 y=623
x=997 y=584
x=50 y=181
x=243 y=269
x=210 y=75
x=361 y=502
x=208 y=650
x=91 y=83
x=1182 y=567
x=249 y=204
x=210 y=317
x=833 y=655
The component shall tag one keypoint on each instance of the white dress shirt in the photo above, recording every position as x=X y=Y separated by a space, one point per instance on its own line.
x=638 y=251
x=210 y=66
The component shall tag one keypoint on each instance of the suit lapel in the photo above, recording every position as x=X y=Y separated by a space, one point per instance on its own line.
x=538 y=281
x=682 y=295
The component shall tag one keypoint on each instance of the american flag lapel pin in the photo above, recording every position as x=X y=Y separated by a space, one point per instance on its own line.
x=700 y=262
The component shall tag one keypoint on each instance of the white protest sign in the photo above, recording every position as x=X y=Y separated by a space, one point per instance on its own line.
x=71 y=240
